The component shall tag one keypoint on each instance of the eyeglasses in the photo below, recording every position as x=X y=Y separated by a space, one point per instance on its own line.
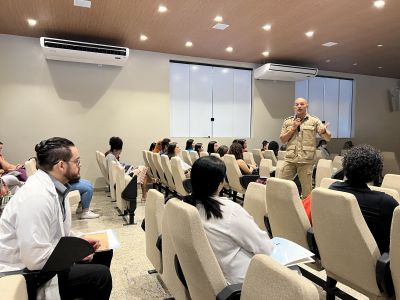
x=76 y=162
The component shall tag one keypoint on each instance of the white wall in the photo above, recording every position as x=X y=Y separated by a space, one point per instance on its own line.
x=88 y=104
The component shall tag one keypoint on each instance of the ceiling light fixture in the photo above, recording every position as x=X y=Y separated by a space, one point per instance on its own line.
x=189 y=44
x=355 y=64
x=380 y=45
x=265 y=53
x=83 y=3
x=218 y=19
x=380 y=67
x=329 y=44
x=220 y=26
x=31 y=22
x=143 y=37
x=229 y=49
x=162 y=9
x=328 y=61
x=309 y=34
x=379 y=3
x=267 y=27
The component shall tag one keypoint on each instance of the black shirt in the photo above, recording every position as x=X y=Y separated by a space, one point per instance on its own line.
x=377 y=209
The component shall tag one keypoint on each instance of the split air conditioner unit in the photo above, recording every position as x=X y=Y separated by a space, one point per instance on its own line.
x=284 y=72
x=75 y=51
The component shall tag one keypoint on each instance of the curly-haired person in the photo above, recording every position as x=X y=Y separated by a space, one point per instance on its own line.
x=363 y=164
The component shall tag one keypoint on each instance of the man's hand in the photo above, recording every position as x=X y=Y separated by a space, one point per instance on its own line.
x=323 y=128
x=296 y=123
x=95 y=243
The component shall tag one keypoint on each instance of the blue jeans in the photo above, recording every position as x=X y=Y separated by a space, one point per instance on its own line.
x=85 y=188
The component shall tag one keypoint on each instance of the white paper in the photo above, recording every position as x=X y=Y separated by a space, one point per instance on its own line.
x=288 y=253
x=113 y=242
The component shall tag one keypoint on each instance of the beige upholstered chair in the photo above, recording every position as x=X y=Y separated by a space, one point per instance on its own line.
x=257 y=155
x=318 y=156
x=324 y=169
x=233 y=173
x=13 y=287
x=203 y=153
x=104 y=166
x=265 y=167
x=169 y=276
x=30 y=167
x=347 y=248
x=391 y=181
x=152 y=165
x=337 y=163
x=326 y=182
x=74 y=197
x=186 y=157
x=390 y=163
x=281 y=155
x=286 y=213
x=200 y=267
x=279 y=167
x=166 y=164
x=216 y=155
x=267 y=279
x=255 y=203
x=395 y=251
x=160 y=171
x=248 y=158
x=146 y=163
x=193 y=156
x=154 y=211
x=179 y=176
x=111 y=176
x=269 y=154
x=121 y=181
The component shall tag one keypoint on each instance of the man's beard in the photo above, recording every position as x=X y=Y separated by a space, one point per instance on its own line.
x=71 y=176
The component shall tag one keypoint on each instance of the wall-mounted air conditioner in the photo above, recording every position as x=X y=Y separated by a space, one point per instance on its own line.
x=284 y=72
x=75 y=51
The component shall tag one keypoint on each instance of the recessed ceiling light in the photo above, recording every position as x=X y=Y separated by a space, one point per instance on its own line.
x=265 y=53
x=143 y=37
x=355 y=64
x=162 y=9
x=309 y=34
x=380 y=45
x=31 y=22
x=83 y=3
x=189 y=44
x=329 y=44
x=229 y=49
x=379 y=3
x=380 y=67
x=328 y=61
x=267 y=27
x=220 y=26
x=218 y=19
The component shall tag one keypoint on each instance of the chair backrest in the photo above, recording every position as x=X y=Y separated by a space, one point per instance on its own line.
x=394 y=252
x=255 y=203
x=326 y=182
x=265 y=167
x=178 y=175
x=233 y=173
x=281 y=155
x=203 y=153
x=13 y=287
x=154 y=211
x=269 y=154
x=146 y=163
x=111 y=178
x=121 y=181
x=318 y=155
x=216 y=155
x=193 y=156
x=157 y=164
x=166 y=164
x=286 y=213
x=30 y=167
x=152 y=165
x=267 y=279
x=279 y=168
x=257 y=155
x=169 y=276
x=104 y=167
x=337 y=163
x=74 y=197
x=186 y=157
x=200 y=267
x=348 y=250
x=390 y=163
x=391 y=181
x=248 y=158
x=324 y=169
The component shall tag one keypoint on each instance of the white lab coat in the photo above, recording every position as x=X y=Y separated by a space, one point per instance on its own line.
x=31 y=226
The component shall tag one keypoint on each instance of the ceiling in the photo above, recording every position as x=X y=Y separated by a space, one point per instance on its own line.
x=356 y=25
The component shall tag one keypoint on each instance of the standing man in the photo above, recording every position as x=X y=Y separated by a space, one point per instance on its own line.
x=38 y=216
x=299 y=132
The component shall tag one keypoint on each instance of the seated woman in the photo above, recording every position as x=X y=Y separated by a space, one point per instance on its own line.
x=264 y=145
x=237 y=150
x=231 y=231
x=157 y=147
x=322 y=145
x=7 y=168
x=212 y=147
x=198 y=148
x=243 y=143
x=173 y=151
x=222 y=150
x=189 y=145
x=140 y=171
x=274 y=146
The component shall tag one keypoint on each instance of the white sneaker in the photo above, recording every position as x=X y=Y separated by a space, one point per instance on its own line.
x=89 y=215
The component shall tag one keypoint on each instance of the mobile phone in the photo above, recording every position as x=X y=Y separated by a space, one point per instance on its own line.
x=323 y=122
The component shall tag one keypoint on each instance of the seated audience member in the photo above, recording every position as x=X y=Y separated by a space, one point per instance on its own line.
x=243 y=143
x=222 y=150
x=114 y=153
x=212 y=147
x=346 y=147
x=363 y=164
x=85 y=188
x=173 y=151
x=231 y=231
x=198 y=147
x=35 y=220
x=237 y=150
x=274 y=146
x=264 y=145
x=322 y=145
x=157 y=148
x=7 y=168
x=152 y=146
x=189 y=145
x=164 y=146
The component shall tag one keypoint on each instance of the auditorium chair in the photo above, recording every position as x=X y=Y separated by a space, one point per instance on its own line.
x=103 y=166
x=216 y=155
x=193 y=156
x=121 y=181
x=74 y=197
x=178 y=175
x=111 y=178
x=166 y=164
x=146 y=163
x=160 y=171
x=153 y=169
x=13 y=287
x=255 y=203
x=281 y=155
x=279 y=167
x=266 y=168
x=186 y=157
x=391 y=181
x=30 y=167
x=249 y=159
x=394 y=252
x=390 y=163
x=269 y=154
x=203 y=153
x=257 y=155
x=324 y=169
x=337 y=163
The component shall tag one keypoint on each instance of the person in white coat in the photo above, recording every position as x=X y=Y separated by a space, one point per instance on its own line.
x=37 y=217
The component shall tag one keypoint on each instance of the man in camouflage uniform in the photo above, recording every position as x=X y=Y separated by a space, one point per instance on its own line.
x=299 y=132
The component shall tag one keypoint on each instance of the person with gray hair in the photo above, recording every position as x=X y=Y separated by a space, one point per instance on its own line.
x=363 y=164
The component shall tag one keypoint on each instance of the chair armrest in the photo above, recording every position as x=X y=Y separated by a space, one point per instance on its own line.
x=246 y=179
x=230 y=292
x=268 y=226
x=159 y=243
x=312 y=243
x=383 y=275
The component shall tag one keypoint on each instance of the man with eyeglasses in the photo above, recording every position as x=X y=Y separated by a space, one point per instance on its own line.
x=36 y=218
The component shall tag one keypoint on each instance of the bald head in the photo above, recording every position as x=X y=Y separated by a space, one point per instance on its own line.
x=300 y=107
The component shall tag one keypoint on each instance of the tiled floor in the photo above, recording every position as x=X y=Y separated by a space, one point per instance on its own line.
x=130 y=264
